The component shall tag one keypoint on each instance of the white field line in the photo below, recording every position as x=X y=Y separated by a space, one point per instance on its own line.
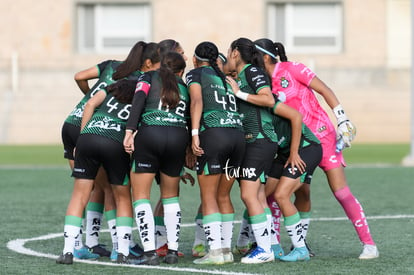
x=18 y=246
x=385 y=217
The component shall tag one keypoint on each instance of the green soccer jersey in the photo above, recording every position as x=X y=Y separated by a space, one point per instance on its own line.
x=284 y=133
x=106 y=70
x=109 y=120
x=156 y=114
x=219 y=104
x=257 y=120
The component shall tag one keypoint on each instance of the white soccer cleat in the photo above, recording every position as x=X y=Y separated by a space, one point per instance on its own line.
x=258 y=256
x=213 y=257
x=369 y=252
x=227 y=255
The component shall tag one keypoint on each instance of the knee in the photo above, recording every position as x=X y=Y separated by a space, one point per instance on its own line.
x=246 y=198
x=302 y=196
x=280 y=197
x=223 y=198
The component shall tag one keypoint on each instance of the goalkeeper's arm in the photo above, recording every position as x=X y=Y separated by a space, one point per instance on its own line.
x=346 y=130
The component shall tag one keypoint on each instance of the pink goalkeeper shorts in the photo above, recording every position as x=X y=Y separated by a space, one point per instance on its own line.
x=330 y=158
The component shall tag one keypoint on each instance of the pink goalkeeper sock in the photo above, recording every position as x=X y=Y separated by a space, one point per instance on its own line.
x=355 y=213
x=276 y=213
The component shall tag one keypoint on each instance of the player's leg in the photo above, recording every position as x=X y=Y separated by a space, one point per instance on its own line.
x=160 y=231
x=212 y=218
x=333 y=164
x=250 y=195
x=353 y=210
x=70 y=135
x=227 y=212
x=101 y=198
x=117 y=167
x=141 y=188
x=258 y=159
x=303 y=204
x=245 y=237
x=124 y=221
x=73 y=219
x=199 y=244
x=172 y=215
x=284 y=190
x=275 y=215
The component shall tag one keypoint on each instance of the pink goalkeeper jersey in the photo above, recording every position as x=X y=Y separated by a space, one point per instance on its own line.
x=291 y=80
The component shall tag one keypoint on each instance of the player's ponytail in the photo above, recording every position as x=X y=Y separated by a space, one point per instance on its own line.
x=171 y=64
x=132 y=63
x=280 y=49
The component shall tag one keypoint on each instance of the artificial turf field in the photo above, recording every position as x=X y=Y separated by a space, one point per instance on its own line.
x=35 y=187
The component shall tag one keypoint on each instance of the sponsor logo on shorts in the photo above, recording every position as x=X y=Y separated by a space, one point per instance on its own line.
x=292 y=171
x=79 y=170
x=147 y=165
x=333 y=159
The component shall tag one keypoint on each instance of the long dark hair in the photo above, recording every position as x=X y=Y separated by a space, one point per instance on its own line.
x=151 y=53
x=273 y=49
x=248 y=51
x=132 y=63
x=171 y=63
x=123 y=90
x=208 y=52
x=167 y=45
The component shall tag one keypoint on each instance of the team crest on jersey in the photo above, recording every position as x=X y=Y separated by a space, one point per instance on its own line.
x=284 y=82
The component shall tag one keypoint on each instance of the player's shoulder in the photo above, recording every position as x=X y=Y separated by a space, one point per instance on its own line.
x=195 y=71
x=256 y=75
x=110 y=62
x=194 y=75
x=294 y=65
x=254 y=71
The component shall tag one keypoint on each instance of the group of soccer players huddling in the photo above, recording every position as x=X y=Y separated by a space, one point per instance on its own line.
x=249 y=116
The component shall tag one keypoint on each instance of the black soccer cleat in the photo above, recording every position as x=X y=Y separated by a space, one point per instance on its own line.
x=66 y=258
x=171 y=257
x=100 y=250
x=136 y=250
x=148 y=258
x=130 y=259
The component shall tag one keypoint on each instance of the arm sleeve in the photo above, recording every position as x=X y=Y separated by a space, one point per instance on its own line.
x=138 y=104
x=138 y=101
x=193 y=76
x=101 y=66
x=256 y=78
